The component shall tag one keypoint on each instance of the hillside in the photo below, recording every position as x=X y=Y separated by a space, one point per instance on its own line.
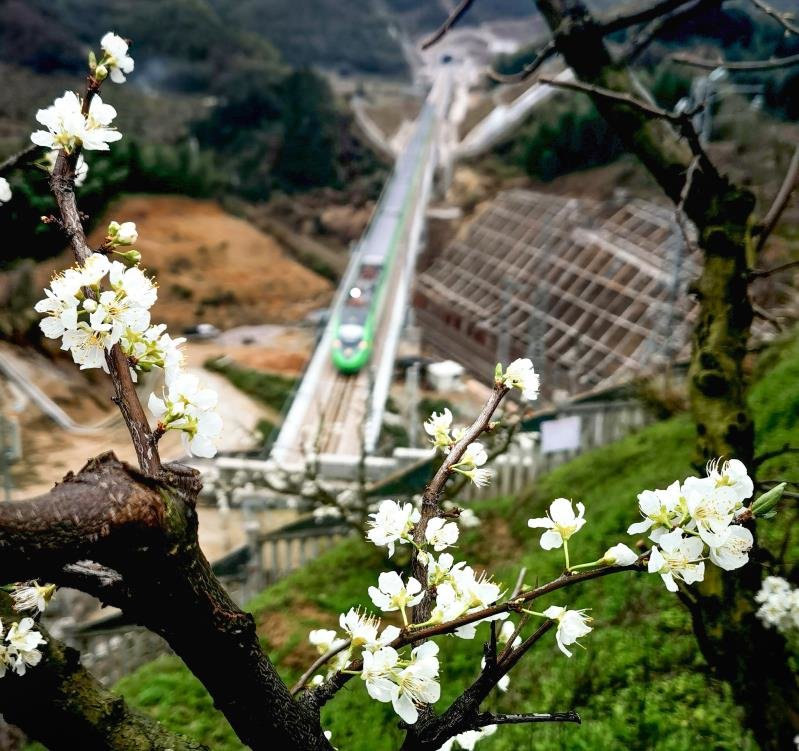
x=641 y=683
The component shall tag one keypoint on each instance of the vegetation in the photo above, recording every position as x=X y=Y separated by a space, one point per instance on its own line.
x=641 y=683
x=269 y=388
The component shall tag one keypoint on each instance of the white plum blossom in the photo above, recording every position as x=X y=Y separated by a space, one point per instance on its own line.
x=23 y=641
x=572 y=624
x=94 y=269
x=68 y=128
x=97 y=134
x=392 y=594
x=116 y=59
x=363 y=631
x=620 y=555
x=711 y=509
x=417 y=683
x=779 y=604
x=188 y=407
x=677 y=556
x=5 y=191
x=732 y=552
x=379 y=668
x=471 y=462
x=733 y=476
x=440 y=533
x=468 y=739
x=467 y=518
x=437 y=426
x=88 y=344
x=505 y=633
x=61 y=304
x=520 y=374
x=661 y=509
x=32 y=596
x=392 y=523
x=322 y=639
x=560 y=522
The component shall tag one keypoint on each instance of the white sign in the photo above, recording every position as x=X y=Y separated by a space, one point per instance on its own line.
x=562 y=434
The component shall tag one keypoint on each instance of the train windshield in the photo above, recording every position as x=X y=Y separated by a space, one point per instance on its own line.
x=350 y=333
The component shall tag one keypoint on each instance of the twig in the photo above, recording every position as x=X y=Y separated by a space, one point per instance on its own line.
x=624 y=21
x=432 y=493
x=705 y=64
x=676 y=118
x=487 y=718
x=519 y=583
x=766 y=455
x=317 y=663
x=547 y=51
x=780 y=18
x=62 y=183
x=647 y=34
x=756 y=273
x=682 y=120
x=679 y=212
x=780 y=202
x=452 y=19
x=764 y=315
x=13 y=161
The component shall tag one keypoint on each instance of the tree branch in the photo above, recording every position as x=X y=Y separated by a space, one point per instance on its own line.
x=654 y=11
x=75 y=706
x=705 y=64
x=780 y=18
x=317 y=663
x=547 y=51
x=780 y=202
x=13 y=161
x=145 y=529
x=487 y=718
x=453 y=18
x=756 y=273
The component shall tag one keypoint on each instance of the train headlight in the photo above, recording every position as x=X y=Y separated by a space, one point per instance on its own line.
x=362 y=344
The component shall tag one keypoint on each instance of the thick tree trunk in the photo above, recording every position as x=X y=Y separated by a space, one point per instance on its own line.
x=63 y=706
x=751 y=658
x=145 y=529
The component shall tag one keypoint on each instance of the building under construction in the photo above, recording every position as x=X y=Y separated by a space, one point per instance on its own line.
x=594 y=291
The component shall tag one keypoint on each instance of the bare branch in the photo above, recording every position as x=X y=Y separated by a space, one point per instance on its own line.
x=15 y=160
x=624 y=21
x=453 y=18
x=705 y=64
x=547 y=51
x=780 y=18
x=317 y=663
x=676 y=118
x=764 y=315
x=679 y=212
x=755 y=273
x=766 y=455
x=432 y=493
x=487 y=718
x=780 y=202
x=647 y=34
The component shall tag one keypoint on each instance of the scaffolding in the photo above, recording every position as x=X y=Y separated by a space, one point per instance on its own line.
x=596 y=290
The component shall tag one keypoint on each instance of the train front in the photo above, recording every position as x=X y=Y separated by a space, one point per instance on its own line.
x=352 y=346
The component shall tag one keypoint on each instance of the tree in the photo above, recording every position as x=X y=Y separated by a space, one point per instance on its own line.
x=128 y=535
x=754 y=660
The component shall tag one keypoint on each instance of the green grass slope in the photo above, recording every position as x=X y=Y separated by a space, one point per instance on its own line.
x=640 y=684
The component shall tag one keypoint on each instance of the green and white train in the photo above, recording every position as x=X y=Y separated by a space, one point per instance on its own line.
x=359 y=313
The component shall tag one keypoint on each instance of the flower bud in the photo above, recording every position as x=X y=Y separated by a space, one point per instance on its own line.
x=90 y=305
x=766 y=503
x=92 y=62
x=100 y=72
x=129 y=258
x=122 y=234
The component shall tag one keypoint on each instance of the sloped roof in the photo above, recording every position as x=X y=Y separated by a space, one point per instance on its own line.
x=593 y=291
